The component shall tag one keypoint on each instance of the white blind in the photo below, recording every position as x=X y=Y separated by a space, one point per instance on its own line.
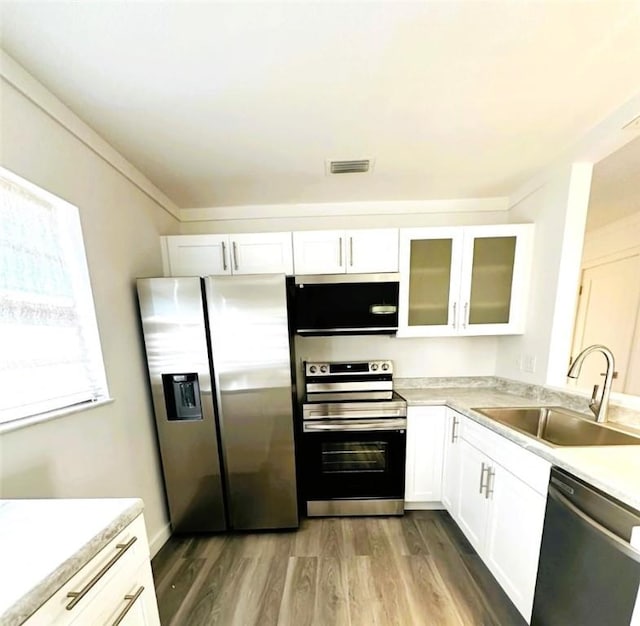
x=50 y=356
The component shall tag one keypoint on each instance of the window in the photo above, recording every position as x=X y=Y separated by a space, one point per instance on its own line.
x=50 y=356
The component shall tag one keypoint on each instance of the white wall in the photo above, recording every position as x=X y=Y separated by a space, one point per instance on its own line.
x=327 y=218
x=413 y=357
x=559 y=209
x=109 y=450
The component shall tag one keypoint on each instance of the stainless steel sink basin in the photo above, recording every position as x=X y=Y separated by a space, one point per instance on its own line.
x=558 y=426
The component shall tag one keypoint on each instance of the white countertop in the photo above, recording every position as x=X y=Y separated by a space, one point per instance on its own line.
x=613 y=469
x=43 y=543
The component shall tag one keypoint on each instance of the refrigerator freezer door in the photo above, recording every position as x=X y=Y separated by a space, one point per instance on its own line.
x=251 y=363
x=173 y=321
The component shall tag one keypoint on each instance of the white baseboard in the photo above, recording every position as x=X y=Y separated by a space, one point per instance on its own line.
x=423 y=506
x=159 y=539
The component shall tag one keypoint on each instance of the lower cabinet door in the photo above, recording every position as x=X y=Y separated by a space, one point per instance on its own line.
x=425 y=433
x=474 y=505
x=451 y=463
x=514 y=533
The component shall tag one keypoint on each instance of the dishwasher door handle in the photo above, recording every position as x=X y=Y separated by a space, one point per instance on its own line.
x=619 y=544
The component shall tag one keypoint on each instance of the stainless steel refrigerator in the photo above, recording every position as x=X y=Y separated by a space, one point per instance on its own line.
x=218 y=351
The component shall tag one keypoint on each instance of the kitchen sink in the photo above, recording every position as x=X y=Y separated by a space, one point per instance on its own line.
x=558 y=426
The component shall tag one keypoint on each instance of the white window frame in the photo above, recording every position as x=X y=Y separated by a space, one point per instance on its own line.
x=34 y=404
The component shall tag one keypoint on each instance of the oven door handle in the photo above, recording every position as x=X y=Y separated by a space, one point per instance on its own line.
x=360 y=425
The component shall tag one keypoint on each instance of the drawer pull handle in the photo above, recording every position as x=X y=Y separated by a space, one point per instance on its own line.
x=131 y=600
x=78 y=595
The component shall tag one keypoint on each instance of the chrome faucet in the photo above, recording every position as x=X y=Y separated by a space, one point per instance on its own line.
x=599 y=408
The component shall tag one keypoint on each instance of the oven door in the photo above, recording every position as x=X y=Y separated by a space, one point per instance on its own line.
x=354 y=467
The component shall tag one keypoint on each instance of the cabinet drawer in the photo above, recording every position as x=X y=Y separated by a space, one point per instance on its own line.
x=117 y=561
x=130 y=600
x=527 y=466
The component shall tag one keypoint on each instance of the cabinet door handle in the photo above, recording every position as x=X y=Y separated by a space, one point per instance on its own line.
x=453 y=317
x=235 y=256
x=482 y=471
x=131 y=600
x=224 y=256
x=340 y=252
x=488 y=491
x=78 y=595
x=465 y=317
x=351 y=251
x=454 y=435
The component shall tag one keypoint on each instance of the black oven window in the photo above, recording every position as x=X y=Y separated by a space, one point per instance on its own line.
x=354 y=456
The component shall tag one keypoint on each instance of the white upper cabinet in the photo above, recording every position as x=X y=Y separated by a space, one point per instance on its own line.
x=470 y=280
x=263 y=253
x=215 y=255
x=345 y=251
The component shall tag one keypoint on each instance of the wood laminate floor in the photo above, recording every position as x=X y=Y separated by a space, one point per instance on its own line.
x=412 y=570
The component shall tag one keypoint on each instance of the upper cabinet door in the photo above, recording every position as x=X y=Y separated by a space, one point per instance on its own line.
x=197 y=255
x=263 y=253
x=470 y=280
x=319 y=252
x=215 y=255
x=372 y=251
x=495 y=279
x=430 y=267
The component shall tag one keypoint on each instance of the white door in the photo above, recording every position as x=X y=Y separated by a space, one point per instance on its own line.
x=425 y=434
x=495 y=279
x=608 y=310
x=430 y=269
x=514 y=534
x=198 y=255
x=319 y=252
x=473 y=507
x=261 y=253
x=372 y=251
x=451 y=463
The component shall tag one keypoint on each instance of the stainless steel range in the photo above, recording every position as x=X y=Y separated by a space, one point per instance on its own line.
x=353 y=440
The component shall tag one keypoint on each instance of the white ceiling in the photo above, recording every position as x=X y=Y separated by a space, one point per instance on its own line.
x=234 y=103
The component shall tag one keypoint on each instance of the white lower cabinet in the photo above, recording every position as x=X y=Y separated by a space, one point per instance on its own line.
x=451 y=462
x=115 y=587
x=512 y=538
x=425 y=438
x=502 y=500
x=473 y=506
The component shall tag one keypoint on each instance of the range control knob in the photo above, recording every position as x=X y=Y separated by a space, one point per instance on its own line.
x=313 y=369
x=323 y=368
x=385 y=366
x=374 y=367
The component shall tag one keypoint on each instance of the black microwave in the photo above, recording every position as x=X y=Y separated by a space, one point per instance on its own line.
x=355 y=304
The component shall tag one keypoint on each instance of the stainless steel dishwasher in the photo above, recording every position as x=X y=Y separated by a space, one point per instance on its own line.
x=589 y=571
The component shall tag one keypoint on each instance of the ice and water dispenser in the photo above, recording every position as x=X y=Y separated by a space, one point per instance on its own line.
x=182 y=396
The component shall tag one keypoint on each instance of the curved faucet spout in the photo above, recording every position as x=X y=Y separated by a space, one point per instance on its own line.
x=599 y=408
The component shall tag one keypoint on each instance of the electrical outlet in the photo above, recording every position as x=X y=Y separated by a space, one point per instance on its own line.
x=529 y=363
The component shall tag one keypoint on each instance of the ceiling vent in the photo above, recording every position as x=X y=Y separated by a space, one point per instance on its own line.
x=357 y=166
